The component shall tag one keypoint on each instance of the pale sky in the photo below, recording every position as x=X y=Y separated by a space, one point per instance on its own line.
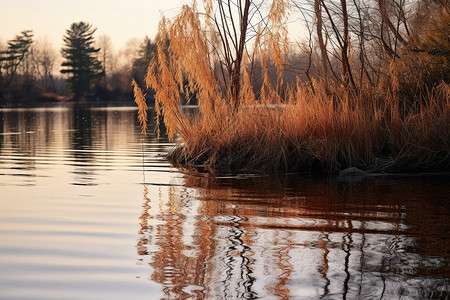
x=121 y=20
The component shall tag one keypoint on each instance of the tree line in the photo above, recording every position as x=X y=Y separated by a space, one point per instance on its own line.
x=352 y=43
x=31 y=70
x=358 y=42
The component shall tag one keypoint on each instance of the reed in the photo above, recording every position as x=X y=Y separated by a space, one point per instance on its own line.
x=139 y=99
x=316 y=127
x=311 y=133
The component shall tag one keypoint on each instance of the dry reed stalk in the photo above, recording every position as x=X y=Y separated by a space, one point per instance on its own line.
x=139 y=98
x=311 y=133
x=326 y=129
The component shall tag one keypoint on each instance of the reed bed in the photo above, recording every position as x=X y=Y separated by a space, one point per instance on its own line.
x=318 y=133
x=319 y=126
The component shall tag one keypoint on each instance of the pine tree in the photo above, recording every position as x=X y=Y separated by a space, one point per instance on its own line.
x=81 y=61
x=145 y=53
x=18 y=49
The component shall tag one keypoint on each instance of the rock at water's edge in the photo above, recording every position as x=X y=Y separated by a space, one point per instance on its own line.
x=352 y=172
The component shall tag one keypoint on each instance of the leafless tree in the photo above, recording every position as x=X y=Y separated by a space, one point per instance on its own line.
x=235 y=24
x=106 y=56
x=44 y=58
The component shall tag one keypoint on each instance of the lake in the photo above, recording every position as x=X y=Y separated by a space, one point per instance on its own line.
x=91 y=209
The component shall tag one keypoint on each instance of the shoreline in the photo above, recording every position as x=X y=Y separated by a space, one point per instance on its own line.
x=178 y=157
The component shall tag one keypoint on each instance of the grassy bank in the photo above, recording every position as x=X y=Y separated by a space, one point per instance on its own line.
x=393 y=117
x=319 y=133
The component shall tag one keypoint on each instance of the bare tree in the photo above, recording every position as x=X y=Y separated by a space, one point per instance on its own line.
x=221 y=38
x=319 y=32
x=44 y=58
x=122 y=66
x=2 y=50
x=105 y=56
x=234 y=25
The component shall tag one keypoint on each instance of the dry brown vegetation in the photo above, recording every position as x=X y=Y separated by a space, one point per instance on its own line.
x=394 y=116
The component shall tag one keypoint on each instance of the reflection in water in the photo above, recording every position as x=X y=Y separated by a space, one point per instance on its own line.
x=248 y=238
x=78 y=137
x=69 y=205
x=80 y=220
x=81 y=140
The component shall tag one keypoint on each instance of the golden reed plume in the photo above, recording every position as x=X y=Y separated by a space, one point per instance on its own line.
x=265 y=125
x=139 y=98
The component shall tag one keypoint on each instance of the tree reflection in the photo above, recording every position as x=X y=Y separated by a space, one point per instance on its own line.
x=323 y=268
x=235 y=238
x=83 y=152
x=26 y=137
x=346 y=247
x=2 y=118
x=238 y=281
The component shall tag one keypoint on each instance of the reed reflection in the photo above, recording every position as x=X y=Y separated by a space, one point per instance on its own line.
x=175 y=244
x=247 y=238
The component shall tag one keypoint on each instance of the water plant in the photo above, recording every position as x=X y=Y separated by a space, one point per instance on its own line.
x=267 y=125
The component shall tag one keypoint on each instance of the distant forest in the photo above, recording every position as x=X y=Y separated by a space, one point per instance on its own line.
x=32 y=70
x=348 y=42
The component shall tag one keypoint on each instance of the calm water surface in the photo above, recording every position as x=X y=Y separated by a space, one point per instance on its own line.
x=84 y=215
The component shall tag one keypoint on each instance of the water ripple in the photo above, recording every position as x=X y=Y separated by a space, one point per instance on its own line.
x=91 y=209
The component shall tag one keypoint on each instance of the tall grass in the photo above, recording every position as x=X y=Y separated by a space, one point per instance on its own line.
x=322 y=126
x=311 y=132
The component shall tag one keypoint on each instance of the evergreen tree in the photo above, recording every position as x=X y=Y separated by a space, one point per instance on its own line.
x=145 y=53
x=81 y=61
x=18 y=49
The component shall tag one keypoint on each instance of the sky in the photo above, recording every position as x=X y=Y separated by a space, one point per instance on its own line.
x=121 y=20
